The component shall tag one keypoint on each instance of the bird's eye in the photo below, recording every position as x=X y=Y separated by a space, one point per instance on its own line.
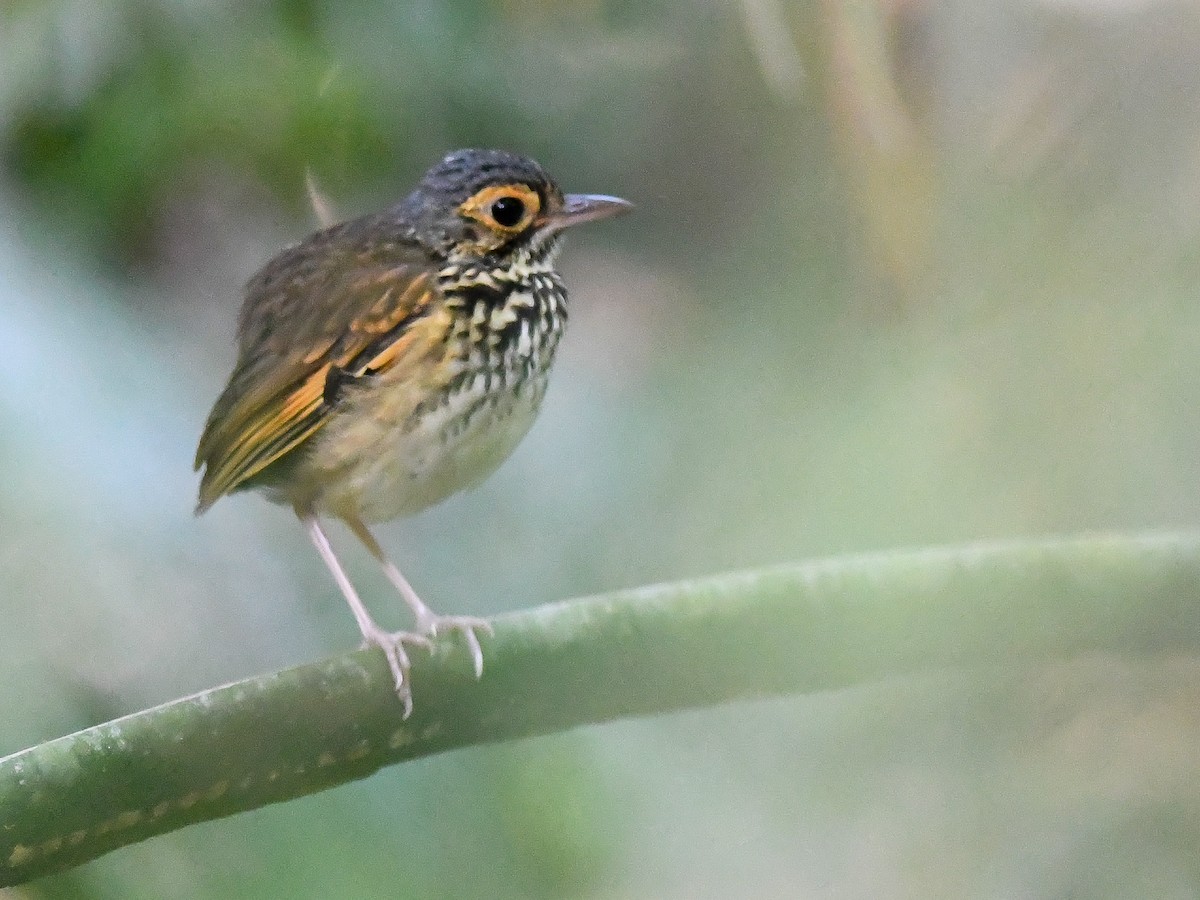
x=508 y=211
x=502 y=209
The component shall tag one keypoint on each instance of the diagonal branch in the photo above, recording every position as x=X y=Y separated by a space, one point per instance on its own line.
x=798 y=628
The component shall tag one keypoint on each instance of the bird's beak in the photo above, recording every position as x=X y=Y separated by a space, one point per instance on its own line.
x=580 y=208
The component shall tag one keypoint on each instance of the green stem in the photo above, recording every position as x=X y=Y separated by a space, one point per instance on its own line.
x=798 y=628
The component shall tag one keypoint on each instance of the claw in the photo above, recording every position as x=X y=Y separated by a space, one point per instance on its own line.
x=392 y=645
x=434 y=625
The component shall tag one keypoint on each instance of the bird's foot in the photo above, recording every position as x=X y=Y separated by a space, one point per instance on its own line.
x=431 y=625
x=393 y=646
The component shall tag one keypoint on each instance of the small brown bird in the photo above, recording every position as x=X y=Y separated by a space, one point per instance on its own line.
x=389 y=361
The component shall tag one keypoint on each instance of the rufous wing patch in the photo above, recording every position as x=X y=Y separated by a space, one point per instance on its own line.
x=270 y=419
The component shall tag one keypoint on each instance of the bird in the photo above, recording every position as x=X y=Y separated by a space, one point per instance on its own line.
x=389 y=361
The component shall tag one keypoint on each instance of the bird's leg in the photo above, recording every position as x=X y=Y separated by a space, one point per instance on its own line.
x=392 y=645
x=428 y=622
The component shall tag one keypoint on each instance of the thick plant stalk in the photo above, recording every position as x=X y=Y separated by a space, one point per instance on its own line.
x=790 y=629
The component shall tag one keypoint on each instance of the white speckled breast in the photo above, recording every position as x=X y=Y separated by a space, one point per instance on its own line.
x=397 y=446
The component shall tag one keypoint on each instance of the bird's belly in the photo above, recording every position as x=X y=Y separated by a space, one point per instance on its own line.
x=394 y=463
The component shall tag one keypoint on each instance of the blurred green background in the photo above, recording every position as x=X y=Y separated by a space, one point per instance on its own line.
x=902 y=272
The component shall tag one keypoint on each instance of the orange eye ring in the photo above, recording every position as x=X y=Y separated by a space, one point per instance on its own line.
x=507 y=208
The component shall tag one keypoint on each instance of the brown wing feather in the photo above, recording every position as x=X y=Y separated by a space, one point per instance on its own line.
x=300 y=323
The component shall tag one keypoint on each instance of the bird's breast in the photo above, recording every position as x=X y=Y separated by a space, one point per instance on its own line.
x=406 y=439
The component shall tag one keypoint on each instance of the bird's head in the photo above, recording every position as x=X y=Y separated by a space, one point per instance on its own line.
x=494 y=204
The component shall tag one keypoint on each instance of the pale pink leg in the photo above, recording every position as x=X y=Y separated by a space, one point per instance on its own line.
x=392 y=645
x=428 y=622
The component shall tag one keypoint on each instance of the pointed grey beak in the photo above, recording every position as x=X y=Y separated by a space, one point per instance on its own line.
x=580 y=208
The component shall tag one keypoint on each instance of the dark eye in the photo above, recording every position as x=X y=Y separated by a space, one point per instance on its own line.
x=508 y=211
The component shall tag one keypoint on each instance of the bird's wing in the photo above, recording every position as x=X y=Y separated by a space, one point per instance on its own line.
x=306 y=332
